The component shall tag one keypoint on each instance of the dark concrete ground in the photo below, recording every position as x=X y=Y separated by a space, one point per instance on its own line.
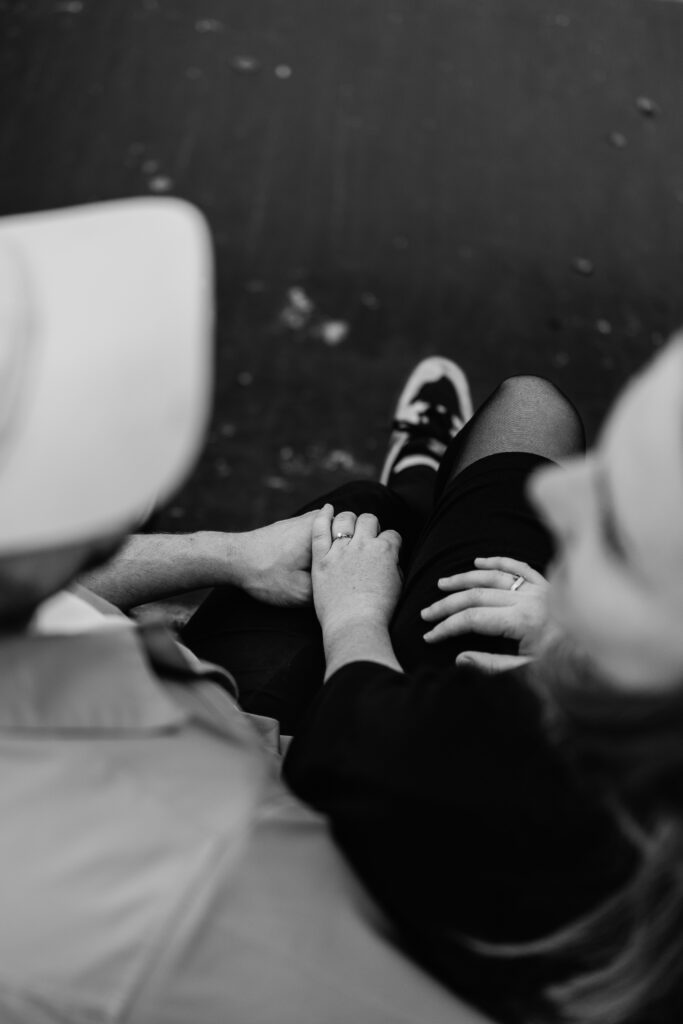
x=498 y=181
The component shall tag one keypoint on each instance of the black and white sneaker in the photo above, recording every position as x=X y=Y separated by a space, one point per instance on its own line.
x=434 y=405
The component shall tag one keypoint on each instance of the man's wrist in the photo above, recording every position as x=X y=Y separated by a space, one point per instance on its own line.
x=219 y=559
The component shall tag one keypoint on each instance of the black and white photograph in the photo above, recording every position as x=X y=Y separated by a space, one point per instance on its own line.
x=341 y=511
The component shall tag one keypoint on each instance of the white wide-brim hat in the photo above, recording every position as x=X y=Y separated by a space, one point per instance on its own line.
x=106 y=316
x=642 y=444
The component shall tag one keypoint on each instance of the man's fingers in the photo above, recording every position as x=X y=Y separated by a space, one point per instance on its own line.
x=490 y=664
x=512 y=566
x=485 y=621
x=309 y=515
x=321 y=539
x=473 y=598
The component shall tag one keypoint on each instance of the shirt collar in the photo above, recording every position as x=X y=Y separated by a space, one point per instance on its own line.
x=75 y=610
x=98 y=681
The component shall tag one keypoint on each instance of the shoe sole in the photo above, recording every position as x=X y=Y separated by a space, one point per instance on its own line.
x=431 y=369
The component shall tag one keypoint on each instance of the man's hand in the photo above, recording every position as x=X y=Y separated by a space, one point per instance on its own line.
x=275 y=561
x=482 y=602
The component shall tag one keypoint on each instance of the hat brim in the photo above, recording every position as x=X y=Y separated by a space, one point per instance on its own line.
x=113 y=401
x=642 y=450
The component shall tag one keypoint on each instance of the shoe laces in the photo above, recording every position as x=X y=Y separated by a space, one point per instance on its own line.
x=430 y=421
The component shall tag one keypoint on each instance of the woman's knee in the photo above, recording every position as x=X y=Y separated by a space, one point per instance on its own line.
x=532 y=391
x=525 y=387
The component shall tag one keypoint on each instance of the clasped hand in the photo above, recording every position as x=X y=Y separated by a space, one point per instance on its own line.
x=355 y=578
x=481 y=601
x=290 y=561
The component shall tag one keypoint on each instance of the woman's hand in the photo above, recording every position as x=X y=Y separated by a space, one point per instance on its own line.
x=356 y=577
x=482 y=601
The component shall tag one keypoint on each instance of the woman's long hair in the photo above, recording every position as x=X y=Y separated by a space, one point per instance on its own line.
x=631 y=949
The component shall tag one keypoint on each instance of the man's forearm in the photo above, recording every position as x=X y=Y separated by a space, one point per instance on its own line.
x=149 y=567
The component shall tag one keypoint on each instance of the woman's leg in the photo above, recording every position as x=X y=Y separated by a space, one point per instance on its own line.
x=524 y=414
x=481 y=506
x=276 y=654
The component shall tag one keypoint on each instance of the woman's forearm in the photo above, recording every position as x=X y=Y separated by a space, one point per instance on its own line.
x=357 y=639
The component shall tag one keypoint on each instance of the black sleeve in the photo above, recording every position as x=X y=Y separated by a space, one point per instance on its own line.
x=453 y=805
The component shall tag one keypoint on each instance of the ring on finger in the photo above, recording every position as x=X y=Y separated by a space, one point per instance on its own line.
x=341 y=536
x=517 y=582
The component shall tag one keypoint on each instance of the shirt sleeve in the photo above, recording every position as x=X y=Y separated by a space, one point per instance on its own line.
x=452 y=803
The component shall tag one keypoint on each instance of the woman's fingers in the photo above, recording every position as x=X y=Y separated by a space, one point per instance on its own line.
x=482 y=601
x=393 y=539
x=496 y=572
x=367 y=525
x=472 y=597
x=327 y=527
x=491 y=664
x=344 y=523
x=512 y=566
x=476 y=578
x=485 y=621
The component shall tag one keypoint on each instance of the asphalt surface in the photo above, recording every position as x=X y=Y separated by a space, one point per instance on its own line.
x=499 y=182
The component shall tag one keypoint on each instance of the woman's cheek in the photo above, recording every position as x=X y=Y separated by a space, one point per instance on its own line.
x=582 y=599
x=608 y=618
